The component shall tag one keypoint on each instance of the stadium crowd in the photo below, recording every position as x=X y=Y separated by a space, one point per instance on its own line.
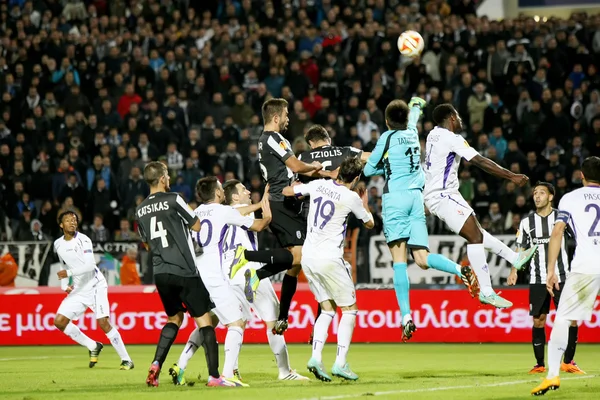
x=92 y=90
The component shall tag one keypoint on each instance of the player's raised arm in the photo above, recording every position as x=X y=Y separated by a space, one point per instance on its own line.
x=416 y=106
x=494 y=169
x=374 y=164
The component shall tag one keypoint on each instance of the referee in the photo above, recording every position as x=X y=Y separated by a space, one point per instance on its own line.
x=536 y=229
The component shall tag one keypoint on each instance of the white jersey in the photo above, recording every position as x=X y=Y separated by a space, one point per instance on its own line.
x=77 y=257
x=234 y=237
x=215 y=219
x=580 y=209
x=330 y=205
x=444 y=150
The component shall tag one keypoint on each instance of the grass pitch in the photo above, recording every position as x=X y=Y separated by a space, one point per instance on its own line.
x=395 y=371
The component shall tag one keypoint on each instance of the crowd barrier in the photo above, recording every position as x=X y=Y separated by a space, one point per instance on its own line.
x=26 y=318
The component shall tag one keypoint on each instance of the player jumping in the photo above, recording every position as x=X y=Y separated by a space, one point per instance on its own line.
x=580 y=211
x=322 y=260
x=87 y=290
x=445 y=148
x=397 y=155
x=535 y=229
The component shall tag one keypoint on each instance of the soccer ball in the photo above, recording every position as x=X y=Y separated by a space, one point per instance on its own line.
x=411 y=43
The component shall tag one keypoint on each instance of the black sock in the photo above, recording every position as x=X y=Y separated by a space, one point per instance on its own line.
x=570 y=352
x=268 y=270
x=275 y=256
x=288 y=289
x=211 y=350
x=167 y=337
x=539 y=344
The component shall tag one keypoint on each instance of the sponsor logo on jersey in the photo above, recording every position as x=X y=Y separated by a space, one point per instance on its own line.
x=283 y=145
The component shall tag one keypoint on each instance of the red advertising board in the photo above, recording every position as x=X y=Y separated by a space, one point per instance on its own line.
x=440 y=316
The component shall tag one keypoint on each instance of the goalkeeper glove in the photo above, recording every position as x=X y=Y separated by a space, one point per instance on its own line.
x=417 y=101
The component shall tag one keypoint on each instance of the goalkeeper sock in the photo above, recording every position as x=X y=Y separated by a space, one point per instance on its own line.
x=539 y=344
x=570 y=353
x=115 y=339
x=167 y=337
x=75 y=333
x=441 y=263
x=402 y=286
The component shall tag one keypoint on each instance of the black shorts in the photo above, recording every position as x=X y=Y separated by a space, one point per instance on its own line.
x=288 y=224
x=539 y=299
x=180 y=294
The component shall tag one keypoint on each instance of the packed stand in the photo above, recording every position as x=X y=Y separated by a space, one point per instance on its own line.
x=92 y=90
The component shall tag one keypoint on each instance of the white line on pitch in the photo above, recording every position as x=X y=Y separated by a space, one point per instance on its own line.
x=33 y=358
x=439 y=389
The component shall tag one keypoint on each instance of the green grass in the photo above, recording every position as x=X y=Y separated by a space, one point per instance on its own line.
x=449 y=371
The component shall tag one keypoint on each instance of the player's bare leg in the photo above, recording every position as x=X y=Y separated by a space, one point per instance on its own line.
x=472 y=233
x=115 y=339
x=65 y=325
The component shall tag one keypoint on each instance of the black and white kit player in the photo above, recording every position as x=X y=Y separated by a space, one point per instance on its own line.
x=536 y=228
x=164 y=221
x=279 y=166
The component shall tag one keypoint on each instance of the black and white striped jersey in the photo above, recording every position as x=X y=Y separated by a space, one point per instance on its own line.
x=535 y=229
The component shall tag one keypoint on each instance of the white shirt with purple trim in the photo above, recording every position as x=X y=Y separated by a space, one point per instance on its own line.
x=215 y=219
x=77 y=257
x=580 y=209
x=444 y=150
x=330 y=205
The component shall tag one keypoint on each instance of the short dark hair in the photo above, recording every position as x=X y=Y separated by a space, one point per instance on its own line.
x=316 y=133
x=273 y=107
x=396 y=115
x=350 y=168
x=63 y=214
x=591 y=169
x=230 y=188
x=153 y=171
x=547 y=185
x=206 y=188
x=442 y=112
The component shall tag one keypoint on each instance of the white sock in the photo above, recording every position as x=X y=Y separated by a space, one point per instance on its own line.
x=559 y=339
x=478 y=261
x=115 y=339
x=279 y=349
x=192 y=345
x=344 y=336
x=233 y=345
x=497 y=247
x=320 y=333
x=75 y=333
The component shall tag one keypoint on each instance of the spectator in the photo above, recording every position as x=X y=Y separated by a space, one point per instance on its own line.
x=125 y=234
x=128 y=273
x=98 y=232
x=477 y=103
x=497 y=140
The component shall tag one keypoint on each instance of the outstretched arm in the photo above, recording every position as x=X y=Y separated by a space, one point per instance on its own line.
x=374 y=164
x=494 y=169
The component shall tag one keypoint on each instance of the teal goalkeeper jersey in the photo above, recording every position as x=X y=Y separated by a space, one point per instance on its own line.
x=397 y=156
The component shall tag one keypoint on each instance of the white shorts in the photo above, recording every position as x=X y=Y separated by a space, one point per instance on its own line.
x=75 y=304
x=330 y=279
x=451 y=208
x=230 y=304
x=266 y=303
x=578 y=297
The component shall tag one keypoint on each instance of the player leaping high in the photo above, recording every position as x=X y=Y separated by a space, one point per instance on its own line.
x=444 y=150
x=580 y=210
x=397 y=156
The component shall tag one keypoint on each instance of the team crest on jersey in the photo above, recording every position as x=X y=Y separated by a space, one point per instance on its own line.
x=299 y=234
x=460 y=212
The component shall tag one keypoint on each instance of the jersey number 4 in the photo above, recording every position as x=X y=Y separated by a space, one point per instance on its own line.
x=157 y=231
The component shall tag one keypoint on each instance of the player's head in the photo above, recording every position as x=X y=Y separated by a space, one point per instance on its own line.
x=396 y=115
x=68 y=221
x=543 y=194
x=590 y=169
x=209 y=190
x=275 y=114
x=446 y=116
x=350 y=171
x=156 y=176
x=316 y=135
x=236 y=193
